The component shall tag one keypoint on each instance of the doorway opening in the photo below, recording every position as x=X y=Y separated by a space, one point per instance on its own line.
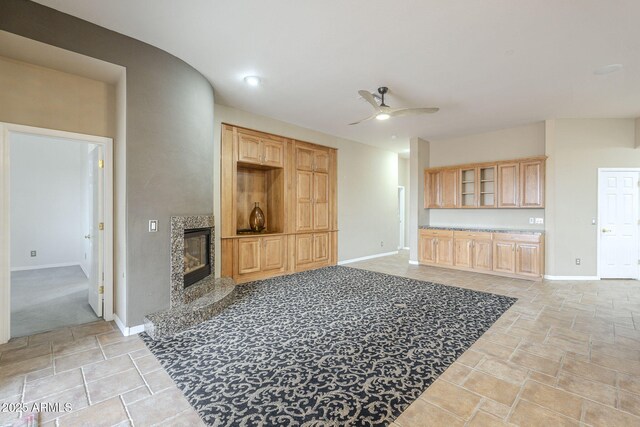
x=401 y=219
x=618 y=224
x=56 y=204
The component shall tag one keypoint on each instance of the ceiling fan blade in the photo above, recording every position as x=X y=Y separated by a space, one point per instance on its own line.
x=412 y=111
x=363 y=120
x=369 y=98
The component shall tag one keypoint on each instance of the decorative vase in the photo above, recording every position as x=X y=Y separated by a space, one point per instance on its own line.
x=256 y=219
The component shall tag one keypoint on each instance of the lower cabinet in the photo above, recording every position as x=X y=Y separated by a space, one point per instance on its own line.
x=312 y=250
x=473 y=250
x=258 y=255
x=508 y=254
x=436 y=247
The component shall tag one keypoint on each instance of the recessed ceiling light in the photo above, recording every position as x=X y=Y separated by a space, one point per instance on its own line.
x=608 y=69
x=382 y=116
x=252 y=80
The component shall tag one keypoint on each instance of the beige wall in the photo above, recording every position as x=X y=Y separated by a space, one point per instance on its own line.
x=42 y=97
x=576 y=149
x=367 y=185
x=505 y=144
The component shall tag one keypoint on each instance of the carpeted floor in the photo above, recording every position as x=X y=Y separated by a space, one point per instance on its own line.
x=335 y=346
x=49 y=298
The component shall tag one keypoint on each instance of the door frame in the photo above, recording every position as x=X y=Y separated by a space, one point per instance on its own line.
x=401 y=214
x=598 y=219
x=6 y=129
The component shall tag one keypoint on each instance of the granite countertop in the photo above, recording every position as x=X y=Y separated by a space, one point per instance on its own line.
x=484 y=230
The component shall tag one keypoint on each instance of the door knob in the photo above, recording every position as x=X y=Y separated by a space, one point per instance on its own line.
x=87 y=236
x=606 y=230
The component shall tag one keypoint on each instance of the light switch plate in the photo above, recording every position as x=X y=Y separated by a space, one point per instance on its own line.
x=531 y=220
x=153 y=225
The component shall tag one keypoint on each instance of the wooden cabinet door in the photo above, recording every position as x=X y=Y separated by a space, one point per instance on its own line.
x=249 y=149
x=528 y=259
x=504 y=256
x=462 y=251
x=444 y=251
x=321 y=247
x=321 y=161
x=320 y=201
x=273 y=153
x=249 y=255
x=304 y=249
x=304 y=201
x=449 y=188
x=426 y=249
x=274 y=253
x=304 y=159
x=482 y=255
x=532 y=184
x=508 y=185
x=487 y=186
x=432 y=186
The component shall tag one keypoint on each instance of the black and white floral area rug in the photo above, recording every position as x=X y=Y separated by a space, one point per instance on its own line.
x=331 y=347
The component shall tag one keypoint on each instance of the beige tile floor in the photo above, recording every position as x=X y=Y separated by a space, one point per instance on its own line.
x=567 y=353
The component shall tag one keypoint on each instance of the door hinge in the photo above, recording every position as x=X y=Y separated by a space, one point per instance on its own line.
x=101 y=164
x=101 y=290
x=101 y=226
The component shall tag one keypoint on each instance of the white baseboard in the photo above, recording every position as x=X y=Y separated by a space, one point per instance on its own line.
x=126 y=331
x=84 y=270
x=414 y=262
x=548 y=277
x=349 y=261
x=39 y=267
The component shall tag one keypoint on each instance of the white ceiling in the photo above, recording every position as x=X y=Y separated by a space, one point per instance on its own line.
x=487 y=64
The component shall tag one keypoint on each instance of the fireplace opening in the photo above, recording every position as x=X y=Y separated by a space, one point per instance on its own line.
x=197 y=264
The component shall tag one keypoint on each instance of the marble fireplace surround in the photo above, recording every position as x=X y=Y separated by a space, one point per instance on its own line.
x=180 y=295
x=200 y=301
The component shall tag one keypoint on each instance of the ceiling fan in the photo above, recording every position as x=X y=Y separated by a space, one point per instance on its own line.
x=383 y=111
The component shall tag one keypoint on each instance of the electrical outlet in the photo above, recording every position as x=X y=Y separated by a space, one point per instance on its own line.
x=578 y=261
x=539 y=220
x=531 y=220
x=33 y=254
x=381 y=243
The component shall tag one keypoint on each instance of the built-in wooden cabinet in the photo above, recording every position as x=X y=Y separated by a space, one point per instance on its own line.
x=260 y=149
x=432 y=189
x=294 y=183
x=532 y=184
x=472 y=250
x=312 y=250
x=261 y=255
x=508 y=179
x=436 y=247
x=505 y=184
x=510 y=254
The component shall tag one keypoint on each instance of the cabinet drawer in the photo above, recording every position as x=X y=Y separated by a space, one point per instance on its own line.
x=516 y=237
x=476 y=235
x=436 y=233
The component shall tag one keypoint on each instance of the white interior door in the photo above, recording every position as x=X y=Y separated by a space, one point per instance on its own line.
x=95 y=237
x=618 y=226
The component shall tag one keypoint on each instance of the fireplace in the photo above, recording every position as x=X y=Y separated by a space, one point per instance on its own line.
x=197 y=265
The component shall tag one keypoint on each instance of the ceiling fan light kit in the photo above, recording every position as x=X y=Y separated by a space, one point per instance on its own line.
x=383 y=111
